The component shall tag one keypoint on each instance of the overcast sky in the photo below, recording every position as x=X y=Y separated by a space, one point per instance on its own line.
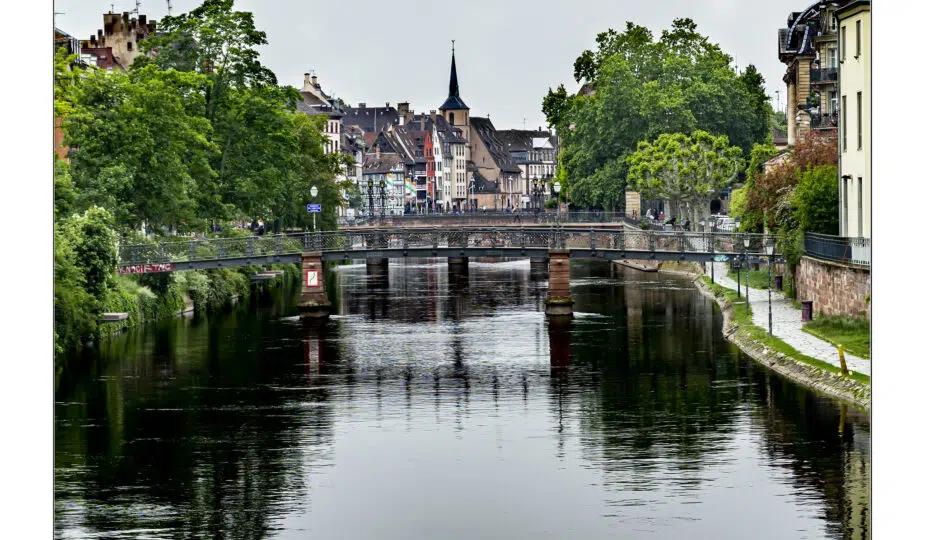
x=508 y=52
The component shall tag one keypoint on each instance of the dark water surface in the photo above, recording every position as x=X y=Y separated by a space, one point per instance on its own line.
x=439 y=406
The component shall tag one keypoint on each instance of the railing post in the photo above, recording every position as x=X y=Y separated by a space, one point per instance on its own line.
x=591 y=240
x=192 y=250
x=651 y=236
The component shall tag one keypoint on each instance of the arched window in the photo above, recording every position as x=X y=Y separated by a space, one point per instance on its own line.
x=452 y=119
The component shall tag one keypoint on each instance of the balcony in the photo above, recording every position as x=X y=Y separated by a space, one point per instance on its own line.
x=823 y=121
x=824 y=75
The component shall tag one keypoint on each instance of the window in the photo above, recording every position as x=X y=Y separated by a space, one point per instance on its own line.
x=833 y=101
x=841 y=45
x=859 y=121
x=833 y=22
x=844 y=198
x=452 y=119
x=842 y=126
x=857 y=39
x=860 y=206
x=833 y=60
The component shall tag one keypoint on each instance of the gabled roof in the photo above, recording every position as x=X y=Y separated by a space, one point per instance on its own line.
x=382 y=164
x=371 y=118
x=496 y=148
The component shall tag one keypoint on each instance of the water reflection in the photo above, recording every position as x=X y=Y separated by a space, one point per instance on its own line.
x=433 y=397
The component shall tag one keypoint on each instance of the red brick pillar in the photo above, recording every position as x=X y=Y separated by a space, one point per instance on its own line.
x=314 y=303
x=559 y=302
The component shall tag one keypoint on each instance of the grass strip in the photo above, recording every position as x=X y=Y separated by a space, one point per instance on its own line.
x=741 y=316
x=853 y=334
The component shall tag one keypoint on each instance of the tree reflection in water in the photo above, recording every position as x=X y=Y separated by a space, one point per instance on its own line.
x=222 y=426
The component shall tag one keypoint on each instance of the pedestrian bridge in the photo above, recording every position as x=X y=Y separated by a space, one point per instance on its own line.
x=549 y=248
x=385 y=243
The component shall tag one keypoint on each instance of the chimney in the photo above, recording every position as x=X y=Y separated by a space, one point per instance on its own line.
x=308 y=77
x=386 y=104
x=362 y=105
x=142 y=19
x=99 y=33
x=151 y=26
x=315 y=81
x=402 y=107
x=92 y=40
x=378 y=152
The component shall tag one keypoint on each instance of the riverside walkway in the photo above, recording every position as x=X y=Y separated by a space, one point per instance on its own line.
x=788 y=325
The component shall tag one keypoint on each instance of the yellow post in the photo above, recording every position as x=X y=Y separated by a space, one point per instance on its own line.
x=841 y=359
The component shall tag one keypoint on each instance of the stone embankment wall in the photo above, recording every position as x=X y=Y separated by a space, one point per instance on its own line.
x=831 y=384
x=834 y=288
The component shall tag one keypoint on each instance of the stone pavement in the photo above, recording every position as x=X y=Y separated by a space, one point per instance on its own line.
x=787 y=323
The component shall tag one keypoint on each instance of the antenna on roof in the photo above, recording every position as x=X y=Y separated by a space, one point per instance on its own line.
x=169 y=8
x=137 y=7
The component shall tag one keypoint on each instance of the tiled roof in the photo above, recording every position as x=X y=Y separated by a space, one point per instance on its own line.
x=371 y=118
x=496 y=148
x=382 y=164
x=453 y=102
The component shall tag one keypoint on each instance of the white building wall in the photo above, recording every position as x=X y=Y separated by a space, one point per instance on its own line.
x=854 y=143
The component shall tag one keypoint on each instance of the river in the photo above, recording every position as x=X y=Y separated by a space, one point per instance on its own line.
x=445 y=406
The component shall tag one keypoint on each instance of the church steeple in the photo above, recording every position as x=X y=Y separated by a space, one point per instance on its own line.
x=453 y=101
x=454 y=84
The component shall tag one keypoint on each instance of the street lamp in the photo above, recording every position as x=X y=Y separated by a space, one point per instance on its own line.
x=536 y=194
x=382 y=197
x=314 y=192
x=769 y=248
x=557 y=186
x=746 y=241
x=369 y=191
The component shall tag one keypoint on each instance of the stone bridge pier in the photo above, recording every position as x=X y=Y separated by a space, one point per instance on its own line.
x=314 y=303
x=559 y=302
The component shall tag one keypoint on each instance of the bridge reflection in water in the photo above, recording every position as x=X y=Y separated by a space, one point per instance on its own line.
x=440 y=391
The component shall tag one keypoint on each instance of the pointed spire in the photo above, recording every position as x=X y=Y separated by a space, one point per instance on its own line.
x=454 y=83
x=453 y=101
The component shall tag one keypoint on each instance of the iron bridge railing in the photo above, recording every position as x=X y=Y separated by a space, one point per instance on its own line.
x=396 y=239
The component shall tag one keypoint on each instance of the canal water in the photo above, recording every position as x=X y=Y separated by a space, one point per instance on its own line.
x=446 y=406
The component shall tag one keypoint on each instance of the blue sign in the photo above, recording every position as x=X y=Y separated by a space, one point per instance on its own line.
x=313 y=208
x=720 y=258
x=346 y=196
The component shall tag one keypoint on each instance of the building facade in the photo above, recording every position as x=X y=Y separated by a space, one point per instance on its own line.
x=854 y=132
x=808 y=46
x=116 y=45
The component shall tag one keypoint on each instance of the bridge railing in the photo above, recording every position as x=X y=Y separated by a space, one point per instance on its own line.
x=531 y=237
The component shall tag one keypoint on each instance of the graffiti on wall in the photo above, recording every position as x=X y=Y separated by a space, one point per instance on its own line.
x=146 y=268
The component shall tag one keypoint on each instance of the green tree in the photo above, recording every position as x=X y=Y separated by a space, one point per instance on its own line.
x=815 y=199
x=643 y=88
x=687 y=171
x=139 y=146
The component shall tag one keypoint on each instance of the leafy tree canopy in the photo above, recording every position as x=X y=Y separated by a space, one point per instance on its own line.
x=684 y=169
x=642 y=88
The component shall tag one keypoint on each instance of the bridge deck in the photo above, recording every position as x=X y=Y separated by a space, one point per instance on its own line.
x=583 y=243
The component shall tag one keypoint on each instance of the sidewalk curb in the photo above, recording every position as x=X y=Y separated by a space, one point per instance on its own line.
x=854 y=392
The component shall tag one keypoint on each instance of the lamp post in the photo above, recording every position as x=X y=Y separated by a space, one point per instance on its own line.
x=556 y=187
x=746 y=241
x=769 y=248
x=536 y=194
x=369 y=191
x=314 y=192
x=382 y=197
